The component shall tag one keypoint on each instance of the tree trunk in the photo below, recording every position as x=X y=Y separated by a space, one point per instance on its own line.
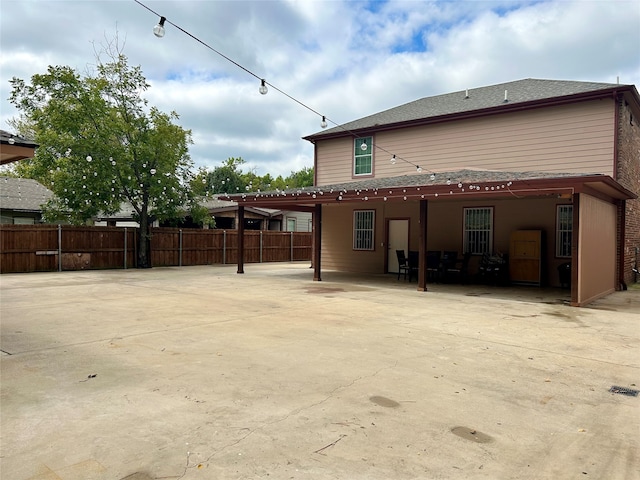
x=144 y=241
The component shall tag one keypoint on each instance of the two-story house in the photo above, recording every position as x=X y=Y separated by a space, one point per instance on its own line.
x=546 y=172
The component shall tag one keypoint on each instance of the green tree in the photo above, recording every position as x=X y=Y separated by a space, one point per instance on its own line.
x=226 y=178
x=301 y=178
x=101 y=145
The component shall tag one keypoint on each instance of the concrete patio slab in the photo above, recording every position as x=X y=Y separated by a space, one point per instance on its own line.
x=201 y=373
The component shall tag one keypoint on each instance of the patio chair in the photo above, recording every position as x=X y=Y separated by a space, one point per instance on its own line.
x=413 y=262
x=403 y=264
x=433 y=265
x=448 y=260
x=459 y=269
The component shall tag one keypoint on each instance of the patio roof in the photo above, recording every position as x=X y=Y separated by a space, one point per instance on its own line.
x=14 y=148
x=442 y=186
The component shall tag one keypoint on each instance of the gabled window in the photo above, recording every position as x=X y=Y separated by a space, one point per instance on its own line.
x=564 y=230
x=478 y=230
x=363 y=156
x=363 y=228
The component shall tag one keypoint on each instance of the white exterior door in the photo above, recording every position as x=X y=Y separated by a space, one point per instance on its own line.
x=398 y=240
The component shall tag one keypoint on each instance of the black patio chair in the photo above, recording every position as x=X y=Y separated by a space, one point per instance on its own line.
x=459 y=269
x=413 y=261
x=433 y=265
x=403 y=264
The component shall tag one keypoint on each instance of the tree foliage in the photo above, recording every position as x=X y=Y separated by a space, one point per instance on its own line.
x=101 y=145
x=229 y=178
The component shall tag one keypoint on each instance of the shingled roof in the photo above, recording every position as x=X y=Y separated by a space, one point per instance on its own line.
x=23 y=194
x=519 y=94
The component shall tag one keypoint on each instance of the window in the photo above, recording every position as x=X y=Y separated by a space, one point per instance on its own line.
x=478 y=230
x=363 y=157
x=564 y=230
x=363 y=225
x=291 y=224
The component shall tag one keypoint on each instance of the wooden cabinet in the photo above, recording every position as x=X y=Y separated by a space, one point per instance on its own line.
x=525 y=257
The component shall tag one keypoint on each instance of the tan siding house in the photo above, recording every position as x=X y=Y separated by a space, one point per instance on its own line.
x=544 y=171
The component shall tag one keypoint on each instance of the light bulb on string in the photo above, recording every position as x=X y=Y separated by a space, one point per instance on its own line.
x=158 y=30
x=418 y=169
x=363 y=147
x=323 y=123
x=393 y=160
x=263 y=87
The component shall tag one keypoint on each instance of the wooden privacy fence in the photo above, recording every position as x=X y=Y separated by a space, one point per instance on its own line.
x=41 y=248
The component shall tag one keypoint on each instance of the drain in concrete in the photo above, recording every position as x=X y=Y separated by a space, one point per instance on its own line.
x=471 y=434
x=384 y=402
x=630 y=392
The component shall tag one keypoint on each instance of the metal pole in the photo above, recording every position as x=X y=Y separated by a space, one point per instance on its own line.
x=180 y=249
x=59 y=248
x=224 y=247
x=292 y=246
x=260 y=246
x=125 y=248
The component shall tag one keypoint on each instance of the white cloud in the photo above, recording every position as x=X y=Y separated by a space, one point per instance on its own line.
x=344 y=59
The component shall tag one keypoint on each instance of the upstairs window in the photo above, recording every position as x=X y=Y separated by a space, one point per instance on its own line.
x=363 y=156
x=478 y=230
x=564 y=230
x=363 y=227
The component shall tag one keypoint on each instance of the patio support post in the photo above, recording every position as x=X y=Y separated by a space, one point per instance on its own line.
x=240 y=238
x=575 y=251
x=317 y=237
x=422 y=247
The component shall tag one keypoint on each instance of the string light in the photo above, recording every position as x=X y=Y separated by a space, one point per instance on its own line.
x=263 y=87
x=159 y=32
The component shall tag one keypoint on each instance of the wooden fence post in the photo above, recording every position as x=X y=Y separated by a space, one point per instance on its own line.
x=59 y=248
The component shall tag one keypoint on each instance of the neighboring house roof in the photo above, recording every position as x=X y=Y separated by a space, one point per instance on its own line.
x=23 y=194
x=213 y=205
x=479 y=101
x=14 y=148
x=216 y=205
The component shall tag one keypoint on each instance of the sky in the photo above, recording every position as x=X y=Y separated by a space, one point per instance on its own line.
x=338 y=58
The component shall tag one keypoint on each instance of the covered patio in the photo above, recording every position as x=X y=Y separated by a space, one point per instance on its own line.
x=598 y=206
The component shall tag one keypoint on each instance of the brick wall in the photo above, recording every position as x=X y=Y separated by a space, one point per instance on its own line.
x=628 y=175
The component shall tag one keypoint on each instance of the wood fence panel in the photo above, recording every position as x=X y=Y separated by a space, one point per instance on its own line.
x=28 y=248
x=165 y=245
x=302 y=242
x=33 y=248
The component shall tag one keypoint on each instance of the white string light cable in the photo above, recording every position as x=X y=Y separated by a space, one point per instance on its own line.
x=159 y=31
